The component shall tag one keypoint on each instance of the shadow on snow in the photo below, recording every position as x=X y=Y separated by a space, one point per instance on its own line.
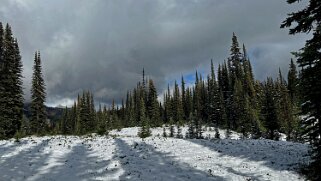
x=24 y=164
x=141 y=161
x=79 y=164
x=276 y=155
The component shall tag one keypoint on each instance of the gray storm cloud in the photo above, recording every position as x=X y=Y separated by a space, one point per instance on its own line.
x=103 y=45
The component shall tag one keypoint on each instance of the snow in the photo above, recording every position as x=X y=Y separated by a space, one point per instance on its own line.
x=124 y=156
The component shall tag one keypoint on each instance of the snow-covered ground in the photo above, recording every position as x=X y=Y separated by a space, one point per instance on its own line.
x=124 y=156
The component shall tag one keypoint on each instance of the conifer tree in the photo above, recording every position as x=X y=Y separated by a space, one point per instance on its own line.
x=215 y=103
x=308 y=58
x=188 y=102
x=63 y=122
x=293 y=83
x=92 y=110
x=152 y=105
x=226 y=90
x=286 y=110
x=73 y=118
x=11 y=94
x=235 y=60
x=84 y=114
x=197 y=121
x=3 y=117
x=184 y=102
x=177 y=106
x=38 y=97
x=145 y=128
x=269 y=109
x=1 y=47
x=101 y=121
x=17 y=91
x=168 y=106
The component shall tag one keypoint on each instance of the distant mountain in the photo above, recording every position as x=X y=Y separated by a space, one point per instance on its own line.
x=53 y=113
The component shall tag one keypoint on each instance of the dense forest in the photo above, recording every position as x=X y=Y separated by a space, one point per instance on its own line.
x=229 y=97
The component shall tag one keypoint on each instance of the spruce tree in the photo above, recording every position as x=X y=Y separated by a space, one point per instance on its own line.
x=1 y=47
x=11 y=94
x=226 y=90
x=184 y=102
x=306 y=20
x=38 y=97
x=179 y=112
x=3 y=128
x=17 y=92
x=63 y=122
x=215 y=103
x=177 y=106
x=269 y=109
x=234 y=61
x=152 y=105
x=101 y=121
x=145 y=127
x=84 y=114
x=197 y=121
x=293 y=83
x=286 y=111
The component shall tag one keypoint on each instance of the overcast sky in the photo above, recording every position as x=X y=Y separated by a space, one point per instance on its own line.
x=103 y=45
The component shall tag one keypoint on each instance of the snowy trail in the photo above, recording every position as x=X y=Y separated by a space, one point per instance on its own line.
x=127 y=157
x=143 y=162
x=222 y=160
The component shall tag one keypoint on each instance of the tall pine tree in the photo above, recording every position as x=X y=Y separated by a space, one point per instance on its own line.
x=11 y=94
x=309 y=59
x=38 y=97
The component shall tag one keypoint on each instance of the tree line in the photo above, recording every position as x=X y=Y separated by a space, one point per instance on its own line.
x=230 y=98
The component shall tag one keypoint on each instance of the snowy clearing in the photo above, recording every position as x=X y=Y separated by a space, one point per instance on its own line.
x=127 y=157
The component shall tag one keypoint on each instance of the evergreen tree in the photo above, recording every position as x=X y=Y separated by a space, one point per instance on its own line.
x=114 y=118
x=101 y=120
x=197 y=121
x=38 y=96
x=17 y=91
x=11 y=94
x=1 y=48
x=308 y=59
x=216 y=106
x=84 y=114
x=184 y=102
x=188 y=102
x=152 y=105
x=251 y=102
x=241 y=110
x=269 y=109
x=145 y=128
x=287 y=117
x=63 y=122
x=177 y=106
x=293 y=83
x=226 y=91
x=73 y=118
x=92 y=111
x=168 y=106
x=235 y=60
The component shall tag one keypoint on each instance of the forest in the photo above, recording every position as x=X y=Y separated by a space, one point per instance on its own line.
x=229 y=98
